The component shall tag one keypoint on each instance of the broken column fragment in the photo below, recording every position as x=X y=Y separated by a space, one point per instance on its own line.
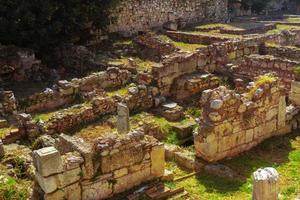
x=265 y=184
x=123 y=119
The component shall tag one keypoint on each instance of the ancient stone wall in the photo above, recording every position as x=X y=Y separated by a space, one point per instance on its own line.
x=66 y=91
x=255 y=65
x=98 y=170
x=150 y=46
x=188 y=85
x=195 y=38
x=138 y=99
x=134 y=15
x=287 y=52
x=232 y=123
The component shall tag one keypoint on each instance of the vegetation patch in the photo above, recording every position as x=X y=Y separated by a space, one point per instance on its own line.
x=282 y=153
x=181 y=45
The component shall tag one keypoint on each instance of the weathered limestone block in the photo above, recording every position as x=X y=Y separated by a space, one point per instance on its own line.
x=123 y=119
x=265 y=184
x=126 y=182
x=120 y=159
x=48 y=184
x=158 y=160
x=71 y=192
x=99 y=189
x=47 y=161
x=58 y=181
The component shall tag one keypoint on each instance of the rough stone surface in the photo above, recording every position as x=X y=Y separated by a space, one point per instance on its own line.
x=123 y=119
x=265 y=184
x=47 y=161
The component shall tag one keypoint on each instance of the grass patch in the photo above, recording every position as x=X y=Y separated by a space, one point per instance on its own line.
x=5 y=131
x=282 y=153
x=181 y=45
x=122 y=92
x=44 y=116
x=90 y=133
x=281 y=27
x=194 y=112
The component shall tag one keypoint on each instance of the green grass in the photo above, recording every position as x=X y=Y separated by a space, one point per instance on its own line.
x=10 y=189
x=44 y=116
x=122 y=92
x=181 y=45
x=194 y=112
x=5 y=131
x=282 y=153
x=281 y=27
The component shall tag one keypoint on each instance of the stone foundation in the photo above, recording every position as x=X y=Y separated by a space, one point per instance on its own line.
x=98 y=170
x=233 y=123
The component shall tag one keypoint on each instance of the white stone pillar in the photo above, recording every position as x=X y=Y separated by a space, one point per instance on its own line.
x=265 y=184
x=123 y=119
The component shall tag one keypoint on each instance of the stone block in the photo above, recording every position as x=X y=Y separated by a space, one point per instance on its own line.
x=47 y=161
x=48 y=184
x=51 y=183
x=127 y=182
x=271 y=113
x=71 y=192
x=99 y=189
x=249 y=135
x=158 y=160
x=265 y=184
x=122 y=159
x=123 y=119
x=69 y=177
x=120 y=172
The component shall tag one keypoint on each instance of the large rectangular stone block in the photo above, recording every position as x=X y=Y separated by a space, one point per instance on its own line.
x=99 y=189
x=71 y=192
x=158 y=160
x=47 y=161
x=127 y=182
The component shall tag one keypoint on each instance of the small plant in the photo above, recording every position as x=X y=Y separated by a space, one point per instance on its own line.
x=172 y=138
x=297 y=73
x=265 y=79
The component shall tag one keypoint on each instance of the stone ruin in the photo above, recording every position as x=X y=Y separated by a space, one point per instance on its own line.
x=193 y=98
x=233 y=123
x=78 y=170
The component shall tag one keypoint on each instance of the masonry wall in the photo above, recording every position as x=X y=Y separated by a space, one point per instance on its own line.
x=232 y=123
x=67 y=91
x=110 y=165
x=292 y=53
x=139 y=15
x=255 y=65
